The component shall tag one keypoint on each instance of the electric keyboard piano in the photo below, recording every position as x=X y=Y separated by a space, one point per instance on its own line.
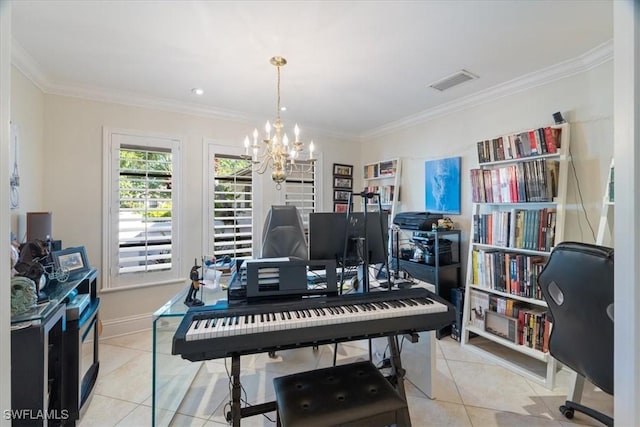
x=208 y=333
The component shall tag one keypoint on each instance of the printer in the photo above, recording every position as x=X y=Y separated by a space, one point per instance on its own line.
x=416 y=220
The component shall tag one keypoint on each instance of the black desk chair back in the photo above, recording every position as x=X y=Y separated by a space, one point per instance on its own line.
x=283 y=234
x=577 y=284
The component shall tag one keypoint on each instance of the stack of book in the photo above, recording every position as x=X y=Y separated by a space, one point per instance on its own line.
x=534 y=142
x=529 y=181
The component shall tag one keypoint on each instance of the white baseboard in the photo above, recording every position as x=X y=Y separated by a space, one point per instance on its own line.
x=126 y=325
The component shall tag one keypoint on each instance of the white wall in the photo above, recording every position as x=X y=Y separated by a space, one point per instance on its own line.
x=73 y=149
x=585 y=100
x=27 y=111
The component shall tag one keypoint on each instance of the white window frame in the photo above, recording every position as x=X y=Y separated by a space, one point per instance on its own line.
x=112 y=140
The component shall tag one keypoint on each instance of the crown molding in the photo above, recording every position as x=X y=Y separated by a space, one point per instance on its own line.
x=95 y=93
x=28 y=66
x=585 y=62
x=33 y=71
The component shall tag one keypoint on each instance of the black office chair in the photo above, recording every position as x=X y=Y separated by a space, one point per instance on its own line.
x=577 y=284
x=283 y=234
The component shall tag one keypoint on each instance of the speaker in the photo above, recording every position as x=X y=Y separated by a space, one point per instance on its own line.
x=38 y=225
x=558 y=118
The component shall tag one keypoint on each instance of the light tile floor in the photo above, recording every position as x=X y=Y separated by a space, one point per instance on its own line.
x=471 y=391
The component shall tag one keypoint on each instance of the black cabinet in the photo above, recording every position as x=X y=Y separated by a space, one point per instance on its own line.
x=430 y=256
x=54 y=354
x=37 y=370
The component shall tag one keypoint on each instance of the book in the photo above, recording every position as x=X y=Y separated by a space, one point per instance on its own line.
x=479 y=306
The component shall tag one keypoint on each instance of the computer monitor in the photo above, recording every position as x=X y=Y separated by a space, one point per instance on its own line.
x=327 y=236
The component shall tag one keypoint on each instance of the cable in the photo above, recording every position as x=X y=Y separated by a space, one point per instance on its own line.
x=584 y=210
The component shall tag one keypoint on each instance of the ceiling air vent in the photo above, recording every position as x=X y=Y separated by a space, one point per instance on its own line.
x=453 y=80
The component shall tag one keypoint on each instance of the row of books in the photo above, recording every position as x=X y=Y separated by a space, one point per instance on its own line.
x=534 y=329
x=530 y=181
x=386 y=194
x=511 y=273
x=534 y=142
x=382 y=169
x=532 y=229
x=388 y=168
x=371 y=171
x=529 y=327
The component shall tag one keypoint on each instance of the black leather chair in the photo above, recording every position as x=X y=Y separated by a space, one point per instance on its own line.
x=283 y=234
x=577 y=284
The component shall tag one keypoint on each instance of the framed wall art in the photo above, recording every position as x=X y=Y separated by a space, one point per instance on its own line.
x=442 y=186
x=342 y=182
x=342 y=170
x=342 y=186
x=341 y=195
x=340 y=207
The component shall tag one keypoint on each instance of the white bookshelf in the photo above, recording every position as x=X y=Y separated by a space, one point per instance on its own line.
x=511 y=209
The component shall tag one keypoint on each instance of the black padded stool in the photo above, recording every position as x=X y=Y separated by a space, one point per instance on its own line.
x=356 y=394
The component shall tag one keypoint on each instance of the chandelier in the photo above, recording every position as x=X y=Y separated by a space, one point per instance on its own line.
x=276 y=151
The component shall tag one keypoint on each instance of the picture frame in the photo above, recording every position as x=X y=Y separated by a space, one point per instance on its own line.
x=340 y=207
x=74 y=260
x=442 y=186
x=341 y=195
x=342 y=170
x=342 y=182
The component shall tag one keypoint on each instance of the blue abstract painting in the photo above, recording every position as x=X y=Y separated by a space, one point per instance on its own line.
x=442 y=186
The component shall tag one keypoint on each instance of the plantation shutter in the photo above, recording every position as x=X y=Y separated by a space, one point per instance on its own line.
x=233 y=204
x=145 y=209
x=300 y=189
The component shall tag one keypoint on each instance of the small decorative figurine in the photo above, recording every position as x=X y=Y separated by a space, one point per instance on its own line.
x=191 y=299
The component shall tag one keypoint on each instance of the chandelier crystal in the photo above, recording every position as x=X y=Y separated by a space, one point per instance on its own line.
x=276 y=151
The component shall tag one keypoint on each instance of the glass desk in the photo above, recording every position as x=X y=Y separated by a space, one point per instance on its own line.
x=172 y=376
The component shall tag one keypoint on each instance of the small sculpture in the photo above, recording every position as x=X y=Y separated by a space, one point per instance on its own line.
x=191 y=299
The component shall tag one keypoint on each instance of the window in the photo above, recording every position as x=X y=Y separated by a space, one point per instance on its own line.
x=231 y=217
x=142 y=209
x=300 y=189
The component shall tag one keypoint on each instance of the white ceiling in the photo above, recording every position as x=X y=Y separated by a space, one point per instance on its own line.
x=354 y=66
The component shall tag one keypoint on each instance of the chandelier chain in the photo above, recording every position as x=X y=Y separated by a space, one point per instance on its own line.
x=278 y=105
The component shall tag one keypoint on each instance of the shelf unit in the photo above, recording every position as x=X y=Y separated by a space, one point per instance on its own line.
x=605 y=228
x=54 y=353
x=384 y=178
x=519 y=192
x=442 y=272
